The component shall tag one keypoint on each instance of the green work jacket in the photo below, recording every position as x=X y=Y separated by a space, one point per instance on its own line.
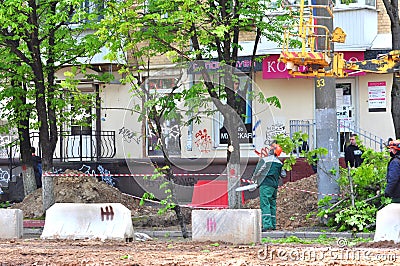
x=268 y=171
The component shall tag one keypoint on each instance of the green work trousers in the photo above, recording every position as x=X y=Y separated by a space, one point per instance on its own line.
x=268 y=206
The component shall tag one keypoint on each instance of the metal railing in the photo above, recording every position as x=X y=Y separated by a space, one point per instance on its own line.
x=93 y=145
x=80 y=146
x=368 y=139
x=344 y=129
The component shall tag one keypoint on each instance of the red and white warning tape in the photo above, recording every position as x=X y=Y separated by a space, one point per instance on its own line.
x=296 y=189
x=124 y=175
x=197 y=174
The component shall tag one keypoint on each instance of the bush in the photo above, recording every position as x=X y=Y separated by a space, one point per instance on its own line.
x=362 y=191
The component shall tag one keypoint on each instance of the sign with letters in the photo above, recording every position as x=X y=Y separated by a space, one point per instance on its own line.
x=273 y=69
x=377 y=96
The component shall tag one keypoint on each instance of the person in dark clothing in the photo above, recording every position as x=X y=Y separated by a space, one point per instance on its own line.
x=392 y=189
x=267 y=173
x=37 y=167
x=352 y=154
x=240 y=100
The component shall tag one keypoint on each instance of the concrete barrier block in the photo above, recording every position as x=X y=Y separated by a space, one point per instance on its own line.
x=11 y=223
x=238 y=226
x=388 y=223
x=88 y=221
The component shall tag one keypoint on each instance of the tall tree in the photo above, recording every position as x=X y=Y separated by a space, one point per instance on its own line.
x=37 y=39
x=392 y=9
x=196 y=30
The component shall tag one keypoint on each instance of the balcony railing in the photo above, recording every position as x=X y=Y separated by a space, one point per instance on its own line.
x=76 y=146
x=83 y=146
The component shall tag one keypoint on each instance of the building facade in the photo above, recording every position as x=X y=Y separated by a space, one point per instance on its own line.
x=118 y=137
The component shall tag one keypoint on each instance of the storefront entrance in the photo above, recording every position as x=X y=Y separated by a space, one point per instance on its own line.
x=345 y=110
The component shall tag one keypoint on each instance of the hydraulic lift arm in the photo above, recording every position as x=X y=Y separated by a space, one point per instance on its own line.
x=310 y=62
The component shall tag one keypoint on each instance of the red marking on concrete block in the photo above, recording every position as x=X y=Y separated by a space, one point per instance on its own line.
x=33 y=223
x=211 y=225
x=108 y=212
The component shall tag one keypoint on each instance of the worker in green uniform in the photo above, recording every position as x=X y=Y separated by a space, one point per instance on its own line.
x=267 y=173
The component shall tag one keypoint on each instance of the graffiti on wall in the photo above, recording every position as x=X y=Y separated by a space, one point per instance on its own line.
x=104 y=174
x=129 y=135
x=260 y=143
x=203 y=141
x=172 y=136
x=274 y=130
x=5 y=141
x=4 y=179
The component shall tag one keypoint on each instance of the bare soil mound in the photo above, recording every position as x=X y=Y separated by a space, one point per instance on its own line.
x=294 y=206
x=87 y=189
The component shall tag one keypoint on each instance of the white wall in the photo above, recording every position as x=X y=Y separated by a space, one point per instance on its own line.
x=378 y=123
x=116 y=114
x=296 y=96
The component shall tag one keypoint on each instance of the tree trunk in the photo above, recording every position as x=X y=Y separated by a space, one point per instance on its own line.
x=28 y=175
x=395 y=93
x=181 y=221
x=233 y=164
x=157 y=130
x=178 y=211
x=47 y=191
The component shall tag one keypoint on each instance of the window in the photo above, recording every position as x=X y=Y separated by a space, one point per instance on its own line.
x=243 y=105
x=355 y=3
x=171 y=129
x=82 y=124
x=91 y=7
x=171 y=132
x=164 y=85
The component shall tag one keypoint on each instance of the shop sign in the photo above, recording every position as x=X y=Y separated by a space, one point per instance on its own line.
x=243 y=64
x=377 y=96
x=273 y=69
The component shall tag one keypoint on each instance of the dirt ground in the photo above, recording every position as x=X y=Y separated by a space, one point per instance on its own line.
x=295 y=204
x=182 y=252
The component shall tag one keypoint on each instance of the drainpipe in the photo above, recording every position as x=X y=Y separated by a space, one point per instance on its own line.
x=98 y=122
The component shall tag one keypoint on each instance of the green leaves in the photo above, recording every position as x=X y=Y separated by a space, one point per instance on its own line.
x=356 y=218
x=38 y=39
x=366 y=187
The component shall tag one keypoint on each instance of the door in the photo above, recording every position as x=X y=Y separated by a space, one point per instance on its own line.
x=345 y=110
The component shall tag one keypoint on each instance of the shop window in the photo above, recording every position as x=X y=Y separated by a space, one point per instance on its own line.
x=171 y=129
x=243 y=105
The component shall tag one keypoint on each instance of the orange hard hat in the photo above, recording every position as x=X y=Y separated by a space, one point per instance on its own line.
x=277 y=149
x=395 y=144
